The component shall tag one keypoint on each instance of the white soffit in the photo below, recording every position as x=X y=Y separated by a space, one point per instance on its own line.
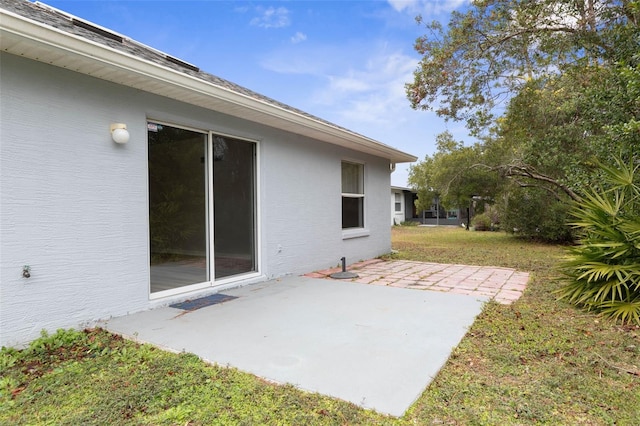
x=30 y=39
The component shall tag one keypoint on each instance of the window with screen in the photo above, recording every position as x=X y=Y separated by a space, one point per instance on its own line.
x=352 y=195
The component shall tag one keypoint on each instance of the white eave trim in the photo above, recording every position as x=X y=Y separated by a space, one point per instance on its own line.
x=36 y=34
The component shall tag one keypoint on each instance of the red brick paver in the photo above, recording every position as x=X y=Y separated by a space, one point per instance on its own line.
x=504 y=285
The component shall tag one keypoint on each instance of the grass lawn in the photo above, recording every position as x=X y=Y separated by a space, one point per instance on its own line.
x=536 y=361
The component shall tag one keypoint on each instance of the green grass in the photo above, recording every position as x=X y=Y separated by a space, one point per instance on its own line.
x=93 y=377
x=538 y=361
x=447 y=244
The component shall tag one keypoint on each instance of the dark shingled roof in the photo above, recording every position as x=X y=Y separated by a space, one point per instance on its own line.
x=65 y=22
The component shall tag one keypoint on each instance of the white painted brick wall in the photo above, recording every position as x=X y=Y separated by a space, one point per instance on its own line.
x=73 y=204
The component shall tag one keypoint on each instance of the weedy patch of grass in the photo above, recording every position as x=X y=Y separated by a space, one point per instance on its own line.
x=98 y=378
x=450 y=244
x=538 y=361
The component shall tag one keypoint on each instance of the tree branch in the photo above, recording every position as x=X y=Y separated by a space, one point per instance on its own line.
x=511 y=170
x=549 y=190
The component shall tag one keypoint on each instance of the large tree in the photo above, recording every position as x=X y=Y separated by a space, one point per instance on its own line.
x=452 y=175
x=493 y=49
x=567 y=71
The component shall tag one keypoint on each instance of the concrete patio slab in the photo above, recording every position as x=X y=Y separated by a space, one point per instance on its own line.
x=376 y=346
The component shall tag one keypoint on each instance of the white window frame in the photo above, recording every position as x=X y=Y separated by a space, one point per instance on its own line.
x=226 y=282
x=362 y=230
x=397 y=206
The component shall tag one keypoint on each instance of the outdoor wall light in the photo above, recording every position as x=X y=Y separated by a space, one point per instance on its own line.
x=119 y=133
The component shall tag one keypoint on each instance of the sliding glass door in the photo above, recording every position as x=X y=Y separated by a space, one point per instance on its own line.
x=178 y=216
x=202 y=215
x=234 y=206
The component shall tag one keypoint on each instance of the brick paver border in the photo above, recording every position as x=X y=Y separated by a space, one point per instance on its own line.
x=504 y=285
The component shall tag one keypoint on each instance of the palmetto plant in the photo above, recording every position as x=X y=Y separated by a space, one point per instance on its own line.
x=603 y=269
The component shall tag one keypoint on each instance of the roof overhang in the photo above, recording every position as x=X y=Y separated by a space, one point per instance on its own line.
x=34 y=40
x=402 y=188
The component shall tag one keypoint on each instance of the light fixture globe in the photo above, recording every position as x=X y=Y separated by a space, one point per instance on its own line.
x=119 y=133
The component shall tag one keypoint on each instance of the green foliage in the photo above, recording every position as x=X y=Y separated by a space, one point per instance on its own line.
x=490 y=51
x=420 y=178
x=533 y=213
x=49 y=344
x=604 y=268
x=488 y=220
x=455 y=173
x=482 y=222
x=409 y=223
x=537 y=361
x=569 y=74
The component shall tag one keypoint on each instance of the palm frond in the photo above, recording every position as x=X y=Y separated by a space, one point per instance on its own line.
x=620 y=174
x=595 y=271
x=603 y=271
x=622 y=310
x=599 y=206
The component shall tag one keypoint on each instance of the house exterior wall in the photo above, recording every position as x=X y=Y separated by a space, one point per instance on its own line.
x=407 y=206
x=397 y=217
x=74 y=205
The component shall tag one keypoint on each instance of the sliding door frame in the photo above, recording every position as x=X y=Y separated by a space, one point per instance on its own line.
x=226 y=281
x=210 y=247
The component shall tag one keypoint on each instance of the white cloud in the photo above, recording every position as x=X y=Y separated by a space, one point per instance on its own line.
x=241 y=9
x=427 y=7
x=271 y=17
x=303 y=59
x=371 y=91
x=348 y=84
x=298 y=37
x=367 y=86
x=400 y=5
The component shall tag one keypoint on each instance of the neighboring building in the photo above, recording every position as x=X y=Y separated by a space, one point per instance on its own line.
x=403 y=209
x=97 y=220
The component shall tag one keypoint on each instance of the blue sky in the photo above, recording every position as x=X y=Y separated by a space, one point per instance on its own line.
x=344 y=61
